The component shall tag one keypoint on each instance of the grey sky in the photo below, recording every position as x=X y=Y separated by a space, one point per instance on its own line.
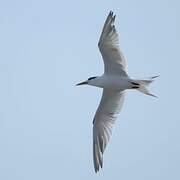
x=46 y=122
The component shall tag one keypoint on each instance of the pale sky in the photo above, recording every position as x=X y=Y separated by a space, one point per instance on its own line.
x=46 y=122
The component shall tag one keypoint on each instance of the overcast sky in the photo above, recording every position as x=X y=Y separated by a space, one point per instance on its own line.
x=46 y=122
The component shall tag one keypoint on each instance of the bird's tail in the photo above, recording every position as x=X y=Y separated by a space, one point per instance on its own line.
x=141 y=85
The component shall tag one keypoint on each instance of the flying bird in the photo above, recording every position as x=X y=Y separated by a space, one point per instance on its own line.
x=114 y=82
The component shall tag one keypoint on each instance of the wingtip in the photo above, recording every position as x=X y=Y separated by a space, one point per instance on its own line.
x=97 y=169
x=111 y=13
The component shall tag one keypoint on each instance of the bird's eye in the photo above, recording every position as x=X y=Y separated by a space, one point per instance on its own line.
x=91 y=78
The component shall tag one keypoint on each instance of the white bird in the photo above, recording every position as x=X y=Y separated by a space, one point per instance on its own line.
x=114 y=82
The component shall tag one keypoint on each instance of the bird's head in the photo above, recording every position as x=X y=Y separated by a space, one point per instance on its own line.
x=88 y=81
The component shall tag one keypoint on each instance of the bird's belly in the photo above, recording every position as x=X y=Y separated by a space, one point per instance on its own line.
x=116 y=83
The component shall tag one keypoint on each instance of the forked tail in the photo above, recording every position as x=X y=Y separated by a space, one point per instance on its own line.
x=141 y=85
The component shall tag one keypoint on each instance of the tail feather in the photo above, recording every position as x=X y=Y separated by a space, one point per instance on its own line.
x=143 y=84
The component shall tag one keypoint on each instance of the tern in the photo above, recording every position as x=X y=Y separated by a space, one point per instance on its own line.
x=114 y=82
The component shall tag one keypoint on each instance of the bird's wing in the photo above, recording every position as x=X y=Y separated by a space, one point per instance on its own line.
x=106 y=114
x=114 y=61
